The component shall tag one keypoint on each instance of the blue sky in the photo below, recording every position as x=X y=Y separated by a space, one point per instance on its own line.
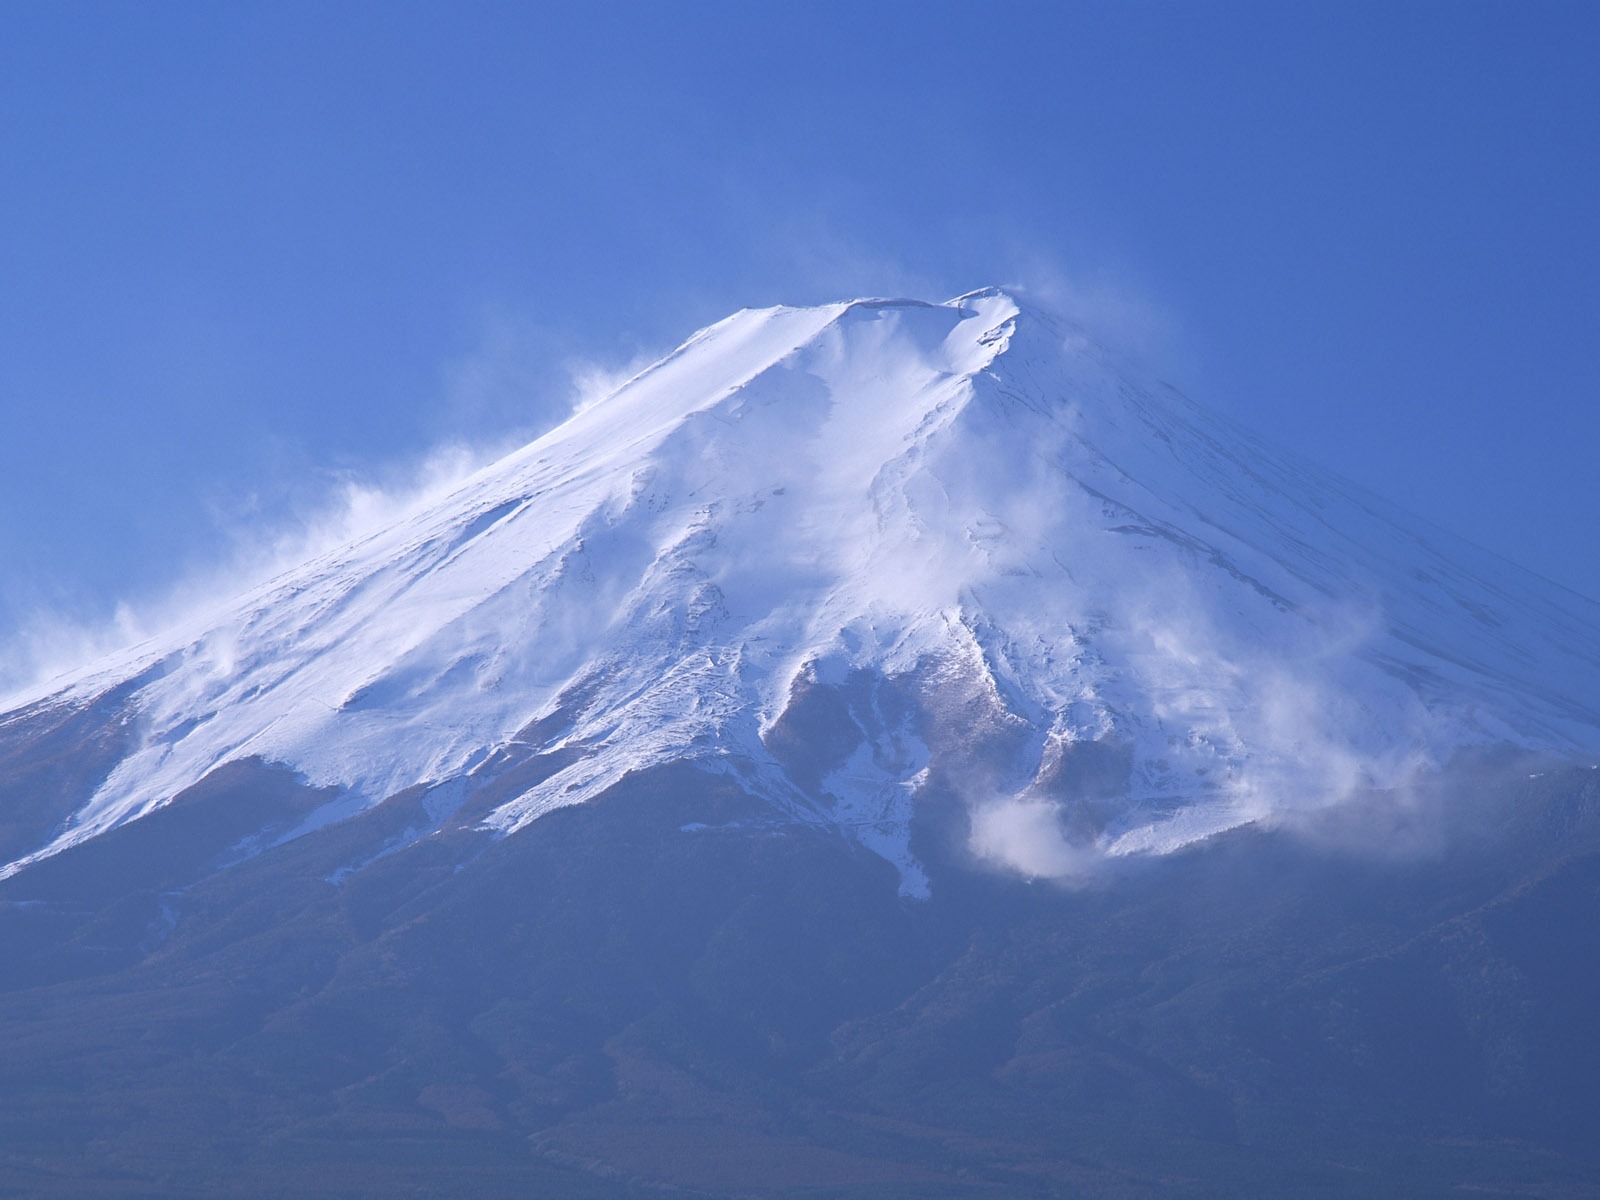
x=250 y=251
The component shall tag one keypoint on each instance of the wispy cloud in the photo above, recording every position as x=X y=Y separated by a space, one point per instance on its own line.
x=1119 y=317
x=595 y=379
x=1027 y=836
x=512 y=382
x=332 y=508
x=520 y=379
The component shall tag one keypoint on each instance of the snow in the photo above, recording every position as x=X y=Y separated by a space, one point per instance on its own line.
x=1045 y=563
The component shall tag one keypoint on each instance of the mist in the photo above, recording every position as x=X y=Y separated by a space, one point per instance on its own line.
x=303 y=513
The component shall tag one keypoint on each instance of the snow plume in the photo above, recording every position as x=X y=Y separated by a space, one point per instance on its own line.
x=1468 y=796
x=523 y=376
x=813 y=255
x=519 y=380
x=1027 y=836
x=1104 y=309
x=1233 y=731
x=51 y=645
x=1188 y=684
x=352 y=505
x=593 y=379
x=49 y=642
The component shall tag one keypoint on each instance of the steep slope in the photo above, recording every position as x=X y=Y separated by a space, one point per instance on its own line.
x=855 y=557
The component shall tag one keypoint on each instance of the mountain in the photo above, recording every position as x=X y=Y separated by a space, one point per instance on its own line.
x=887 y=749
x=844 y=554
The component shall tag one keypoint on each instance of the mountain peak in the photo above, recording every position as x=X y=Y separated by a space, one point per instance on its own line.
x=856 y=556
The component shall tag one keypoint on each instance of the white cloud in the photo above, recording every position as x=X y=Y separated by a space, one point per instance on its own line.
x=593 y=380
x=1026 y=836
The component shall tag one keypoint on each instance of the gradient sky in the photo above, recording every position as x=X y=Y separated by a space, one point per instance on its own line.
x=249 y=251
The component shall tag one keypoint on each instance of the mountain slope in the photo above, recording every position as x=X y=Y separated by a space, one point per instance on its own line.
x=602 y=1006
x=850 y=556
x=558 y=838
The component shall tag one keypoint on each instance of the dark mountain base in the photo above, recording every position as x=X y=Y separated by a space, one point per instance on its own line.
x=605 y=1005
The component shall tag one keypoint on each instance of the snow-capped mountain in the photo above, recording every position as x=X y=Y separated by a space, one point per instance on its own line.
x=846 y=555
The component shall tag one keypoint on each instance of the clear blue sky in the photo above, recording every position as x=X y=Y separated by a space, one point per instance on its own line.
x=244 y=247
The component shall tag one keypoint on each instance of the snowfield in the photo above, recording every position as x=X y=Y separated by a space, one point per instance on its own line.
x=848 y=553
